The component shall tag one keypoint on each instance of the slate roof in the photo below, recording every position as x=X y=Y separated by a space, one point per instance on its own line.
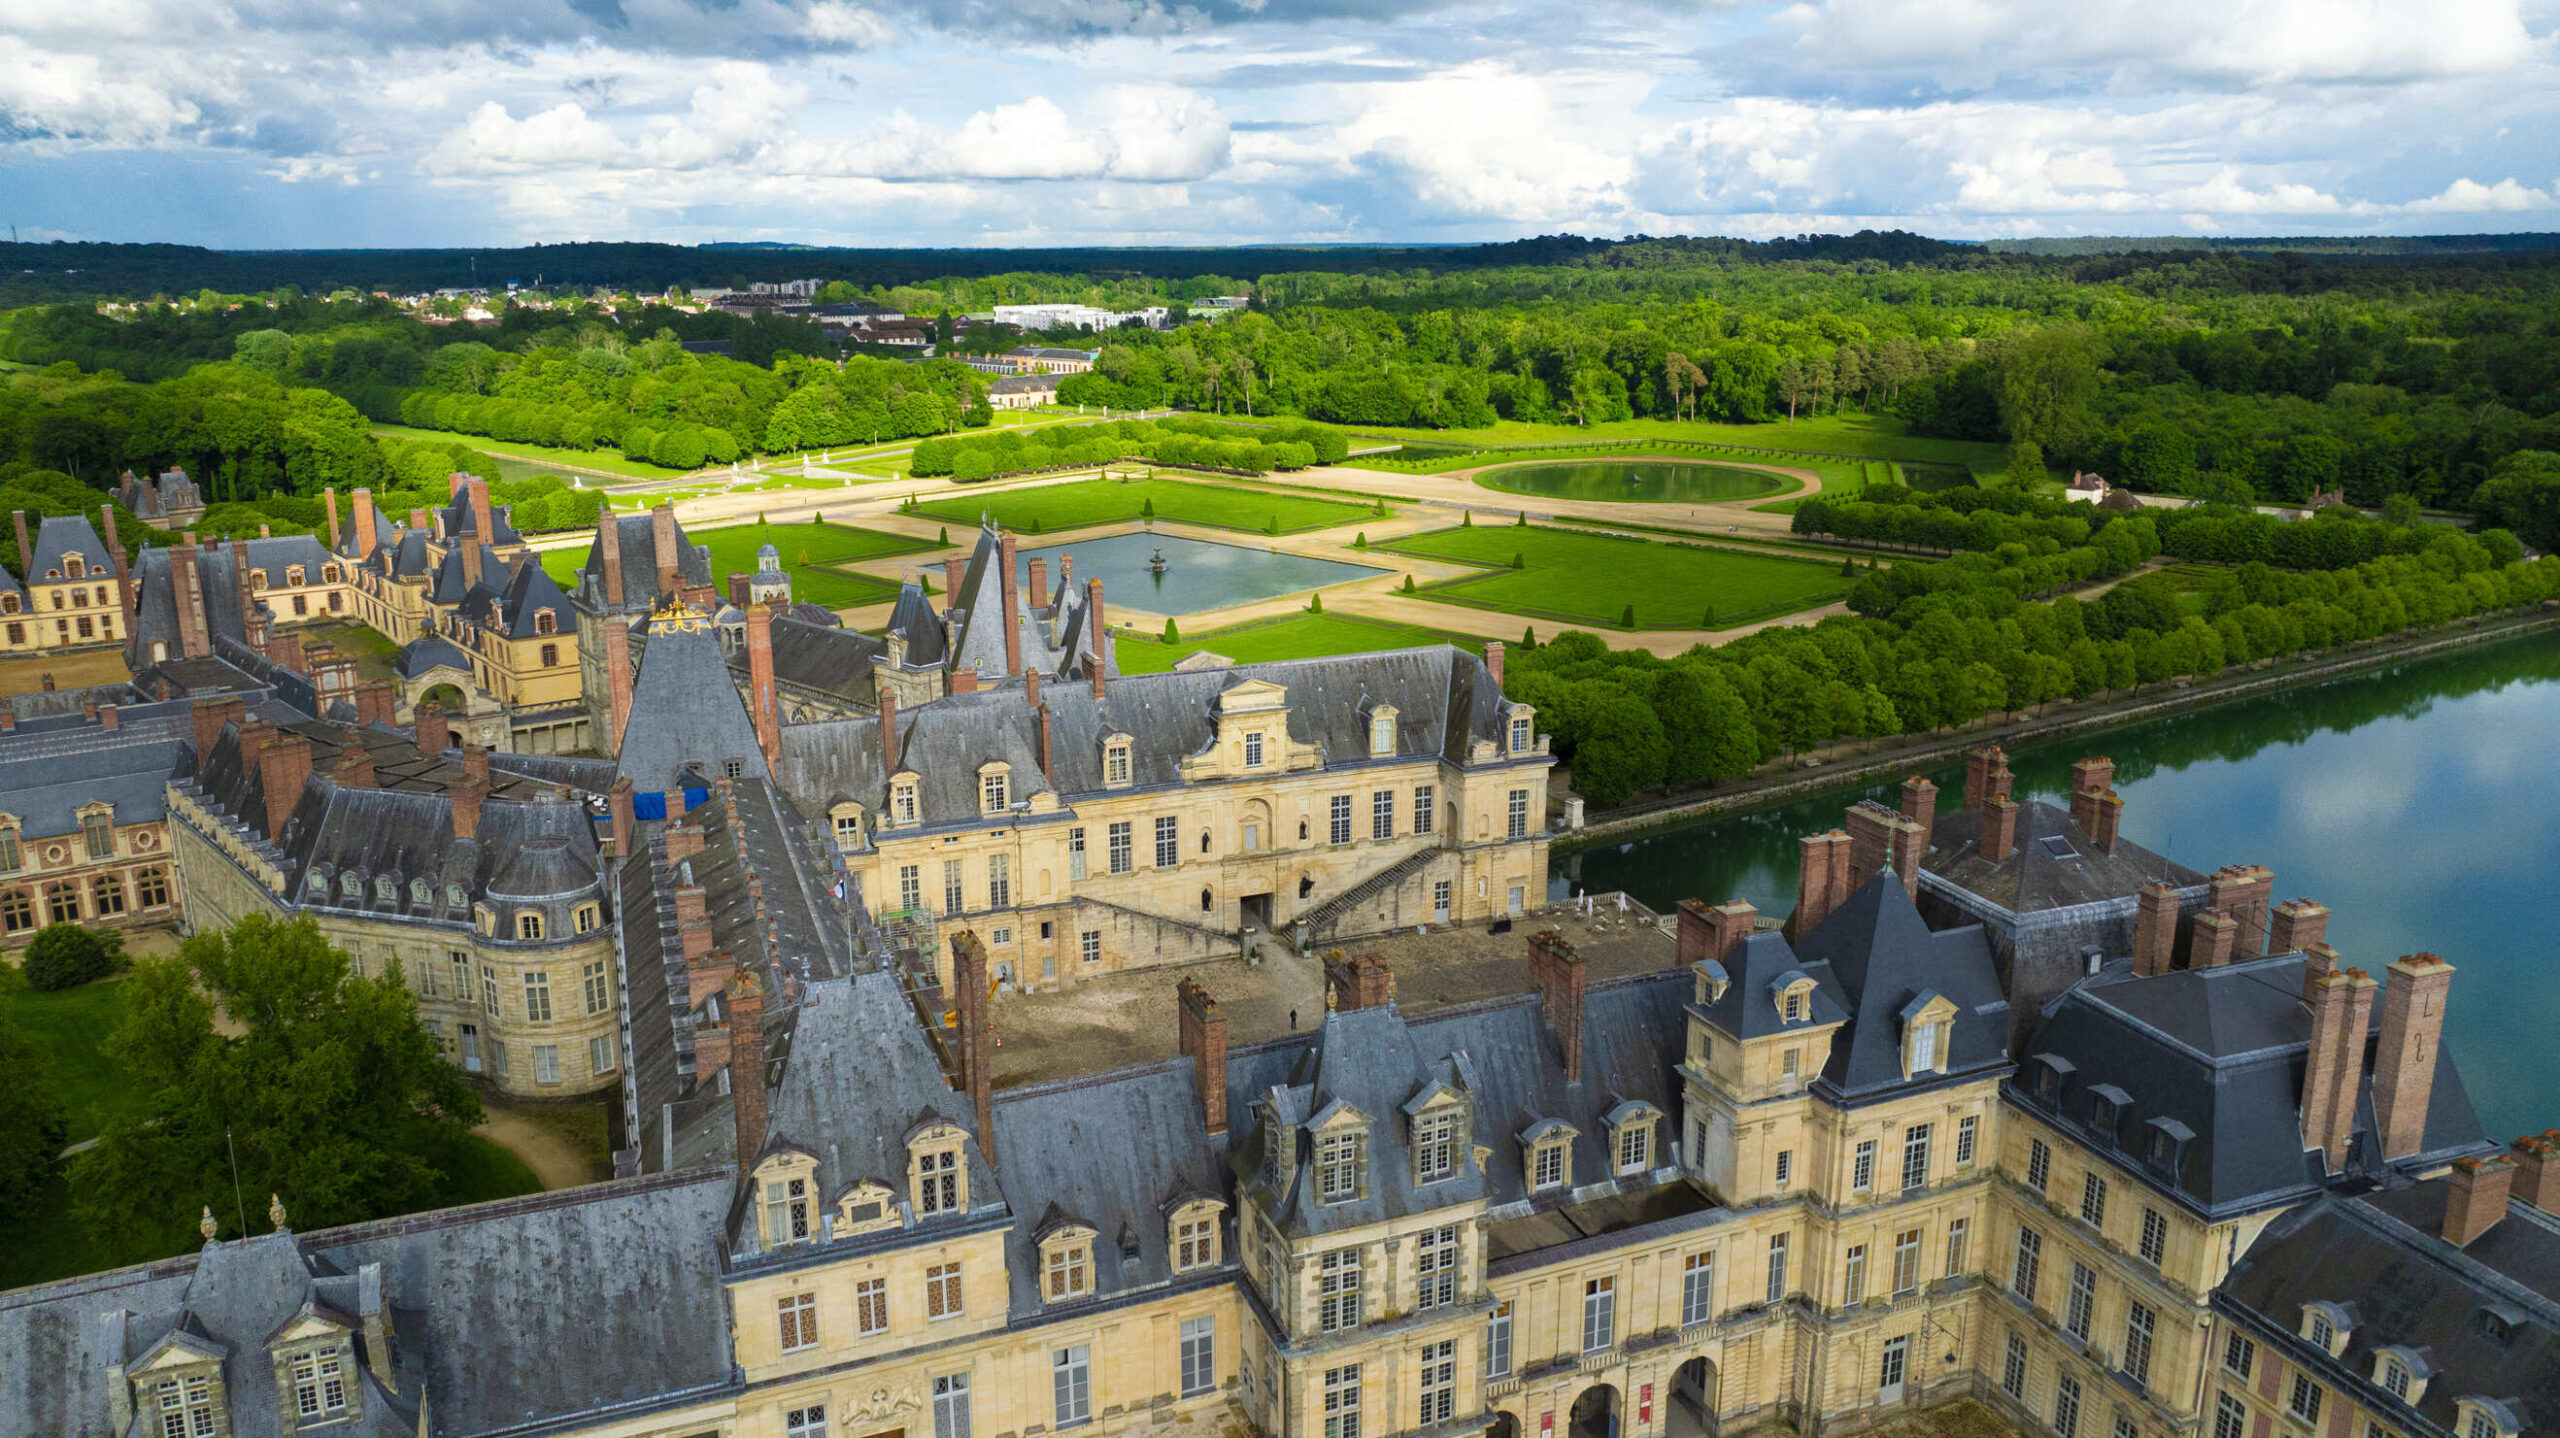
x=452 y=582
x=1444 y=698
x=1881 y=959
x=2384 y=1251
x=914 y=616
x=1025 y=384
x=63 y=535
x=2219 y=1052
x=44 y=792
x=431 y=651
x=832 y=660
x=639 y=565
x=459 y=520
x=2054 y=865
x=513 y=602
x=272 y=555
x=686 y=712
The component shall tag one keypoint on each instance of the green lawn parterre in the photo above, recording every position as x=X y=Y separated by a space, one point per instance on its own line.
x=812 y=553
x=1293 y=636
x=1579 y=577
x=1080 y=504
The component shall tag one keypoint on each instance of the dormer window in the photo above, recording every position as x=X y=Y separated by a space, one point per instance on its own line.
x=1194 y=1236
x=1066 y=1264
x=2484 y=1417
x=1382 y=733
x=936 y=1176
x=189 y=1406
x=529 y=924
x=902 y=800
x=98 y=831
x=1342 y=1163
x=1115 y=764
x=2328 y=1324
x=74 y=566
x=991 y=791
x=320 y=1384
x=1521 y=724
x=1435 y=1145
x=1928 y=1022
x=787 y=1206
x=330 y=574
x=293 y=576
x=545 y=622
x=12 y=857
x=1631 y=1137
x=1253 y=750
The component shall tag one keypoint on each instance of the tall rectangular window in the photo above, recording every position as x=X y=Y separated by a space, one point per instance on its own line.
x=942 y=1291
x=1439 y=1381
x=2155 y=1237
x=2230 y=1418
x=1786 y=1165
x=1777 y=1267
x=1853 y=1282
x=1520 y=735
x=1966 y=1128
x=1253 y=750
x=999 y=881
x=911 y=887
x=1382 y=814
x=1118 y=835
x=1089 y=947
x=2066 y=1406
x=2140 y=1324
x=599 y=987
x=2239 y=1355
x=951 y=1406
x=1956 y=1231
x=537 y=996
x=1906 y=1262
x=2039 y=1164
x=1338 y=1290
x=938 y=1181
x=871 y=1306
x=1435 y=1267
x=546 y=1063
x=489 y=990
x=2083 y=1302
x=1424 y=815
x=1338 y=819
x=1168 y=841
x=1199 y=1356
x=1599 y=1313
x=954 y=900
x=1075 y=853
x=2013 y=1368
x=2304 y=1403
x=1915 y=1157
x=1071 y=1384
x=1497 y=1342
x=1519 y=814
x=1697 y=1289
x=1862 y=1167
x=1339 y=1159
x=1342 y=1402
x=2022 y=1275
x=97 y=831
x=798 y=1313
x=1435 y=1146
x=2093 y=1199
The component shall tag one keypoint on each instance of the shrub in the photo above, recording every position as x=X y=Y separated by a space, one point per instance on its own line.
x=1408 y=584
x=65 y=956
x=1360 y=540
x=1529 y=637
x=1708 y=620
x=1628 y=619
x=1172 y=635
x=1467 y=519
x=1315 y=604
x=1147 y=510
x=1519 y=559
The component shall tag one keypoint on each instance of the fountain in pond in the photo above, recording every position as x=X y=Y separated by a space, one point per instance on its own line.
x=1155 y=563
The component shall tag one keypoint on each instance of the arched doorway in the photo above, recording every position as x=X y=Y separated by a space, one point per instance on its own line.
x=1595 y=1413
x=1502 y=1426
x=1693 y=1401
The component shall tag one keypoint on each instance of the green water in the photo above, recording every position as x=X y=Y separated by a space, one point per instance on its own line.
x=1670 y=481
x=2421 y=803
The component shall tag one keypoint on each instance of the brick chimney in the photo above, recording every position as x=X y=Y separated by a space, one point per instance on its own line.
x=760 y=694
x=618 y=802
x=2477 y=1197
x=2404 y=1069
x=1040 y=583
x=115 y=556
x=609 y=555
x=471 y=564
x=210 y=715
x=2318 y=962
x=1999 y=829
x=109 y=718
x=964 y=681
x=1877 y=842
x=969 y=976
x=2155 y=929
x=1920 y=806
x=1097 y=632
x=2537 y=1176
x=285 y=652
x=1364 y=982
x=481 y=524
x=2210 y=940
x=683 y=835
x=617 y=678
x=365 y=523
x=1713 y=933
x=1562 y=977
x=662 y=542
x=1007 y=596
x=376 y=703
x=330 y=496
x=355 y=766
x=693 y=932
x=240 y=583
x=1493 y=660
x=2089 y=779
x=1204 y=1041
x=2333 y=1069
x=2296 y=925
x=2108 y=809
x=283 y=765
x=888 y=731
x=1822 y=873
x=749 y=1105
x=434 y=734
x=470 y=792
x=2244 y=891
x=955 y=572
x=187 y=590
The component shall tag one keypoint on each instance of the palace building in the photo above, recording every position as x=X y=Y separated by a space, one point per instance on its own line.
x=75 y=588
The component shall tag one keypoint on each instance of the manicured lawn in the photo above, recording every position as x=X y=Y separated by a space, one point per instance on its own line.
x=810 y=552
x=1295 y=636
x=1854 y=434
x=68 y=1028
x=1051 y=508
x=608 y=461
x=1585 y=578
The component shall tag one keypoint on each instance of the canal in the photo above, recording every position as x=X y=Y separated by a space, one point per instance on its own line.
x=2421 y=803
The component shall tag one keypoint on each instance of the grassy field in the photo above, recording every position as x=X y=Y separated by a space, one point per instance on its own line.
x=1077 y=504
x=69 y=1027
x=810 y=553
x=1583 y=578
x=605 y=460
x=1293 y=636
x=1869 y=436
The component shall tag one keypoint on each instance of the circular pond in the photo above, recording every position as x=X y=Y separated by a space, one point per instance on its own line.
x=1660 y=480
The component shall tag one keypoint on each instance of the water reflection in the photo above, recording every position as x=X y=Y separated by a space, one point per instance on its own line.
x=1196 y=575
x=1624 y=479
x=2421 y=803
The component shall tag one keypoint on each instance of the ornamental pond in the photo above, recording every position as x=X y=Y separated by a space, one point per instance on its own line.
x=1198 y=575
x=2420 y=802
x=1630 y=480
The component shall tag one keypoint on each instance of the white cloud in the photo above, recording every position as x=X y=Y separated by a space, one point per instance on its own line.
x=2467 y=196
x=833 y=22
x=1142 y=134
x=1485 y=140
x=492 y=142
x=73 y=97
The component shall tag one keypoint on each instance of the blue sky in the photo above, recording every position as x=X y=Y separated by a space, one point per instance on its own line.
x=961 y=122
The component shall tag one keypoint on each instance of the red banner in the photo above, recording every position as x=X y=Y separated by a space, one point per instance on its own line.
x=1644 y=1404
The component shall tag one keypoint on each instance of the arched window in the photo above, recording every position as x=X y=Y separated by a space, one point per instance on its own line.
x=106 y=895
x=17 y=911
x=62 y=903
x=11 y=856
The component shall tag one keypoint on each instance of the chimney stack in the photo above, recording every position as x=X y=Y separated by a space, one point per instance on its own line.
x=1048 y=754
x=2155 y=929
x=1879 y=839
x=2296 y=926
x=470 y=792
x=617 y=678
x=954 y=573
x=365 y=523
x=749 y=1104
x=283 y=765
x=109 y=718
x=434 y=734
x=2333 y=1069
x=609 y=554
x=115 y=556
x=330 y=495
x=2243 y=891
x=210 y=715
x=1999 y=828
x=1007 y=596
x=481 y=526
x=888 y=731
x=1358 y=983
x=2477 y=1198
x=964 y=681
x=355 y=765
x=1822 y=880
x=2210 y=940
x=2537 y=1176
x=768 y=712
x=969 y=976
x=1979 y=766
x=1920 y=806
x=1493 y=660
x=618 y=802
x=662 y=541
x=2109 y=811
x=2404 y=1071
x=1204 y=1042
x=1713 y=933
x=2089 y=779
x=1040 y=583
x=1562 y=977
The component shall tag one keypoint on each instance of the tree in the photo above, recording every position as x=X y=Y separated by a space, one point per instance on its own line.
x=333 y=1095
x=1627 y=620
x=2523 y=494
x=2026 y=465
x=1622 y=748
x=2047 y=375
x=1315 y=603
x=1172 y=635
x=65 y=956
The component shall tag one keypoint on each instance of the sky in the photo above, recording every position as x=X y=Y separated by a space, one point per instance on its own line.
x=272 y=123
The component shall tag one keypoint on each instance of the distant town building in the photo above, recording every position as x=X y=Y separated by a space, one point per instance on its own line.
x=1040 y=359
x=169 y=501
x=1023 y=391
x=2087 y=489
